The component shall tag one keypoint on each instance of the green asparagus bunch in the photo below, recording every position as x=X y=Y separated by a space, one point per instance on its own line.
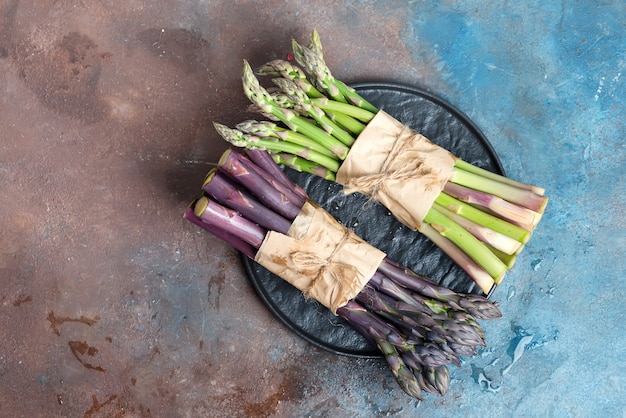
x=482 y=220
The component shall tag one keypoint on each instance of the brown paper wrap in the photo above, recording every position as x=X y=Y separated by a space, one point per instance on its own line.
x=398 y=167
x=321 y=257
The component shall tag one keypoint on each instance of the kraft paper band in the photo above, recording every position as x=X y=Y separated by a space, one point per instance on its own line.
x=321 y=257
x=398 y=167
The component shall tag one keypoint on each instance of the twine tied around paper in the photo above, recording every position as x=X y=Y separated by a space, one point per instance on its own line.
x=336 y=269
x=371 y=184
x=320 y=257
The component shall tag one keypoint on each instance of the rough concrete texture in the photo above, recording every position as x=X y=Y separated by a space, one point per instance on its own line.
x=110 y=305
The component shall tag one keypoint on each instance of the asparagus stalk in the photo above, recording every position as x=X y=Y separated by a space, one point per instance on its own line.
x=261 y=98
x=227 y=193
x=266 y=129
x=266 y=164
x=478 y=274
x=475 y=249
x=464 y=165
x=520 y=196
x=238 y=168
x=499 y=207
x=237 y=138
x=303 y=165
x=301 y=100
x=380 y=333
x=350 y=124
x=483 y=218
x=233 y=240
x=488 y=236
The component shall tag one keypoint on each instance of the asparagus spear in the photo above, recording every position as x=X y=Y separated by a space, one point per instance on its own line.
x=303 y=165
x=266 y=129
x=471 y=303
x=266 y=164
x=381 y=333
x=237 y=167
x=239 y=139
x=312 y=59
x=261 y=98
x=284 y=69
x=218 y=186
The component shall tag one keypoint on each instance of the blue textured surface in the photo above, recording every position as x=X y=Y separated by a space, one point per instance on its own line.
x=545 y=84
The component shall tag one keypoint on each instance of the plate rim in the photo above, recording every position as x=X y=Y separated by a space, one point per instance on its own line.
x=293 y=327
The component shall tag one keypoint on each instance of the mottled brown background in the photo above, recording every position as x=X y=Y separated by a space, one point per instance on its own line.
x=110 y=304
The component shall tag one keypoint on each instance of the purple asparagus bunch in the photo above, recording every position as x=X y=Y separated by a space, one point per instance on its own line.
x=419 y=326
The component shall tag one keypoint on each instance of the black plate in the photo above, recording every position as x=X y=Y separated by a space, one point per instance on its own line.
x=443 y=125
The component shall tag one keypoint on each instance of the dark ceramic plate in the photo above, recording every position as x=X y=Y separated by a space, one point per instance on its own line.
x=443 y=125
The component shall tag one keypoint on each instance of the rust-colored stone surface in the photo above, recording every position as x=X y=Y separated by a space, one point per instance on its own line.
x=110 y=304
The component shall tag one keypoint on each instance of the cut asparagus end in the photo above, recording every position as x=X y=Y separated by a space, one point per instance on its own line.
x=209 y=177
x=201 y=206
x=483 y=218
x=234 y=241
x=229 y=221
x=499 y=207
x=475 y=249
x=508 y=259
x=224 y=157
x=519 y=196
x=464 y=165
x=486 y=235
